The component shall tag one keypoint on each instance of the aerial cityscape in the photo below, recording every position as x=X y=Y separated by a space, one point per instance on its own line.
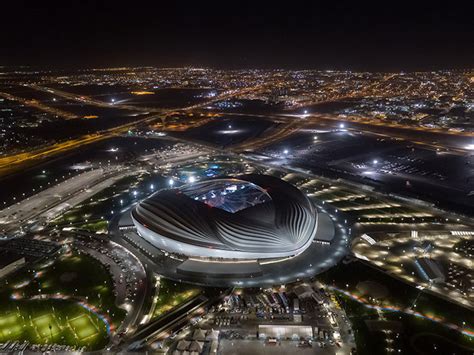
x=234 y=209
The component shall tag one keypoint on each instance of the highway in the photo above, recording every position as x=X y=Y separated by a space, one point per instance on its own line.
x=164 y=326
x=12 y=163
x=50 y=203
x=436 y=138
x=444 y=140
x=93 y=102
x=273 y=135
x=40 y=106
x=84 y=99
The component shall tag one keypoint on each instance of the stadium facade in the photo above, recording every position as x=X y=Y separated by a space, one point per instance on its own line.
x=248 y=217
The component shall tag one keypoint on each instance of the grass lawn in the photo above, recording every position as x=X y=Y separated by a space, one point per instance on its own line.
x=49 y=321
x=46 y=325
x=83 y=326
x=59 y=317
x=401 y=295
x=172 y=294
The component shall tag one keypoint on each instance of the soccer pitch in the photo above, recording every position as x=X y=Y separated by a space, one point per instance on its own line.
x=10 y=327
x=66 y=323
x=46 y=326
x=83 y=327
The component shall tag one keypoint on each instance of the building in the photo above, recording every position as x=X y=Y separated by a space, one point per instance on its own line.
x=249 y=230
x=285 y=331
x=251 y=217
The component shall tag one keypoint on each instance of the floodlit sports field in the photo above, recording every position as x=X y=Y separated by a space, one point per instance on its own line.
x=68 y=302
x=58 y=321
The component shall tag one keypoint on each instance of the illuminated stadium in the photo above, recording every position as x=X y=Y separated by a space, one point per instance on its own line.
x=248 y=217
x=248 y=230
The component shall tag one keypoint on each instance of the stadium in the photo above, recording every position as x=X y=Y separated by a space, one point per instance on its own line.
x=243 y=218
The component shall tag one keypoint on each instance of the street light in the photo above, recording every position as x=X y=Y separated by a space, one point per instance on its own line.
x=171 y=182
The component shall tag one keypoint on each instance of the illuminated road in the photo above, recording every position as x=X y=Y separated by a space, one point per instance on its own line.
x=443 y=140
x=373 y=122
x=434 y=138
x=49 y=203
x=277 y=134
x=364 y=92
x=93 y=102
x=38 y=105
x=10 y=164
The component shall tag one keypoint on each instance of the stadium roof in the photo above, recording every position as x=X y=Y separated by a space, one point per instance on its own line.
x=251 y=216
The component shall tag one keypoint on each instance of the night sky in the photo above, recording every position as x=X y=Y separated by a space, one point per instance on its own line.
x=387 y=35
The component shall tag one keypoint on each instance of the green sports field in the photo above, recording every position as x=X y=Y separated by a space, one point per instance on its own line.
x=173 y=294
x=70 y=302
x=52 y=321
